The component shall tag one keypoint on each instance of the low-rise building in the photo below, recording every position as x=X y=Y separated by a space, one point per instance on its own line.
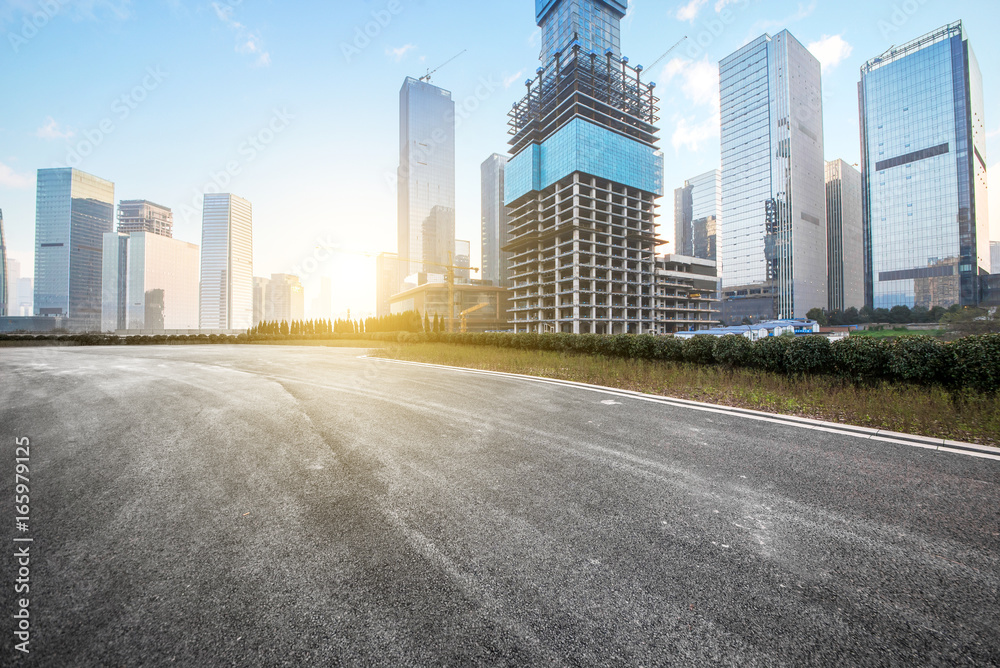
x=686 y=296
x=431 y=299
x=761 y=330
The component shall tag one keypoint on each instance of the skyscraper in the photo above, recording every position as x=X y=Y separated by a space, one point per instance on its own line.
x=426 y=177
x=495 y=235
x=995 y=257
x=139 y=215
x=696 y=216
x=150 y=282
x=259 y=299
x=5 y=287
x=773 y=248
x=226 y=263
x=73 y=211
x=387 y=281
x=322 y=306
x=923 y=143
x=463 y=258
x=845 y=242
x=583 y=180
x=285 y=299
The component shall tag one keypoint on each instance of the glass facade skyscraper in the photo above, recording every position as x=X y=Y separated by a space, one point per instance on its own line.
x=696 y=216
x=226 y=263
x=582 y=184
x=73 y=212
x=773 y=247
x=923 y=142
x=426 y=177
x=845 y=240
x=6 y=292
x=495 y=232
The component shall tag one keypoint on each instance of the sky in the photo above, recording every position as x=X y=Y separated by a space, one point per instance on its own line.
x=294 y=105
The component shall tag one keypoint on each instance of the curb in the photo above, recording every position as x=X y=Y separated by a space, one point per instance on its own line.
x=912 y=440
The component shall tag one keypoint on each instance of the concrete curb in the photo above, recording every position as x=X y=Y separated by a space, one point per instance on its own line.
x=912 y=440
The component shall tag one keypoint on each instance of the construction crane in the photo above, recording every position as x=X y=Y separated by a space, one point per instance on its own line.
x=468 y=311
x=427 y=77
x=668 y=52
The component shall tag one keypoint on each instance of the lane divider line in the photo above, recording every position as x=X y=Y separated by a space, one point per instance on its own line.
x=868 y=433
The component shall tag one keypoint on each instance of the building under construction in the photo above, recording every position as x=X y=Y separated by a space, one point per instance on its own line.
x=139 y=215
x=582 y=183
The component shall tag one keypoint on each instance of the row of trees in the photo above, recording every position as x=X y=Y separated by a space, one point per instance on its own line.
x=901 y=315
x=400 y=322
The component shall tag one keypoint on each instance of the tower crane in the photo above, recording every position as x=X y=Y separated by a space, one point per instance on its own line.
x=668 y=52
x=427 y=77
x=467 y=311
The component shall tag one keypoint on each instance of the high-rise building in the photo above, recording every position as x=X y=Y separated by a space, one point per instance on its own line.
x=226 y=263
x=285 y=299
x=995 y=257
x=495 y=234
x=259 y=299
x=773 y=228
x=150 y=282
x=463 y=258
x=582 y=184
x=139 y=215
x=322 y=306
x=845 y=239
x=13 y=286
x=696 y=216
x=388 y=281
x=426 y=177
x=5 y=287
x=923 y=143
x=73 y=212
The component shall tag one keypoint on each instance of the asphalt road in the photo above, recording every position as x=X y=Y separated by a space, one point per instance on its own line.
x=259 y=506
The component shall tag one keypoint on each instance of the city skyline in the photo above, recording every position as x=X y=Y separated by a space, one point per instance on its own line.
x=289 y=142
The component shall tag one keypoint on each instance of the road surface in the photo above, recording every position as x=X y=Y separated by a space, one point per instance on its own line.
x=253 y=505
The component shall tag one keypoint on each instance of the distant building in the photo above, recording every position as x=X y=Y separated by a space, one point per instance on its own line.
x=686 y=294
x=426 y=176
x=74 y=210
x=388 y=280
x=432 y=299
x=259 y=298
x=14 y=288
x=845 y=238
x=761 y=330
x=226 y=263
x=150 y=283
x=923 y=143
x=322 y=306
x=139 y=215
x=995 y=257
x=25 y=293
x=5 y=282
x=773 y=247
x=696 y=216
x=285 y=299
x=495 y=222
x=463 y=258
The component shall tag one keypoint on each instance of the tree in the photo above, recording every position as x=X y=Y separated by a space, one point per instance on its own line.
x=880 y=315
x=818 y=315
x=427 y=322
x=935 y=314
x=919 y=314
x=437 y=325
x=851 y=316
x=866 y=314
x=972 y=321
x=900 y=314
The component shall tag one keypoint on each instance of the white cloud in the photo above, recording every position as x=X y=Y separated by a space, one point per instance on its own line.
x=993 y=134
x=509 y=81
x=699 y=83
x=247 y=42
x=399 y=53
x=11 y=179
x=689 y=12
x=831 y=50
x=51 y=130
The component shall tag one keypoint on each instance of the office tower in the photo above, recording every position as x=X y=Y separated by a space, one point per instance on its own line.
x=773 y=246
x=14 y=287
x=73 y=211
x=259 y=299
x=150 y=282
x=226 y=263
x=426 y=177
x=845 y=237
x=5 y=287
x=923 y=155
x=495 y=235
x=463 y=258
x=285 y=299
x=995 y=257
x=139 y=215
x=582 y=184
x=322 y=306
x=696 y=216
x=388 y=281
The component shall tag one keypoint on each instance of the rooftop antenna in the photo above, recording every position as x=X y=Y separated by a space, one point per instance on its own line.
x=427 y=77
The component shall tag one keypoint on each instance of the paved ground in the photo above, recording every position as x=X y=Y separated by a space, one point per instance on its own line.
x=217 y=505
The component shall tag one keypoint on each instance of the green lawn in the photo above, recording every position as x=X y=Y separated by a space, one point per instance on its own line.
x=888 y=333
